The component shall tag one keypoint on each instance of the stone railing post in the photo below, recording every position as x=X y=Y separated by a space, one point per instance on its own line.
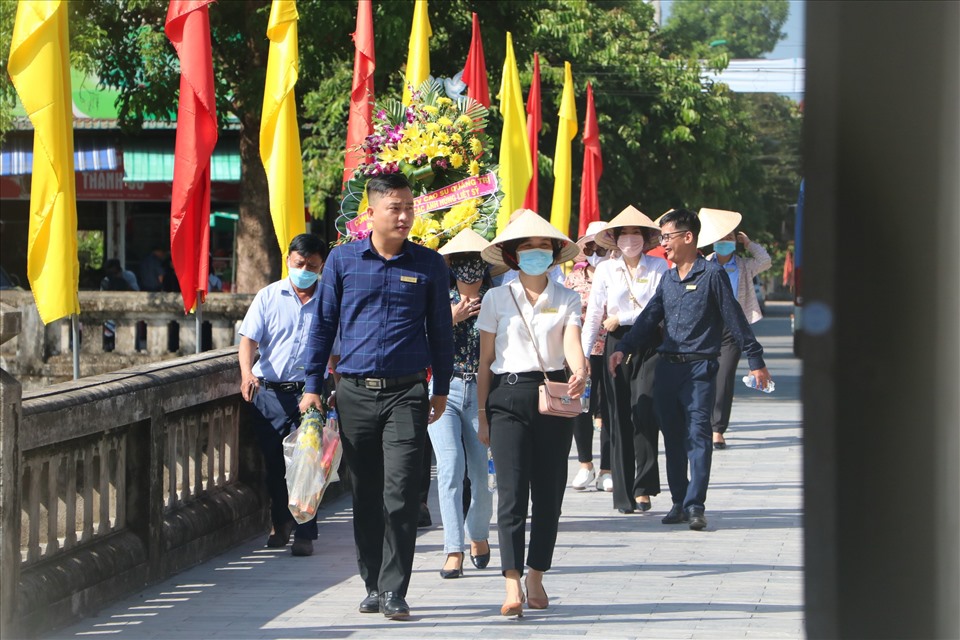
x=10 y=393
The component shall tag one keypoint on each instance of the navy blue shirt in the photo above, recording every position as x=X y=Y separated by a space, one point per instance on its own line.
x=393 y=315
x=694 y=311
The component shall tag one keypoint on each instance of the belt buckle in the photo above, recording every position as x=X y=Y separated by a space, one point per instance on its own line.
x=288 y=387
x=374 y=383
x=469 y=377
x=512 y=378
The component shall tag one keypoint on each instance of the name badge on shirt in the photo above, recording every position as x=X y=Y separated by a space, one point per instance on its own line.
x=549 y=310
x=643 y=280
x=691 y=287
x=410 y=279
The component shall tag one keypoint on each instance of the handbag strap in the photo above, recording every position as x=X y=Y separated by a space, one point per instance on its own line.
x=543 y=367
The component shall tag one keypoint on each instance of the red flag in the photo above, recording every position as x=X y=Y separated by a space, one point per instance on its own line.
x=475 y=71
x=360 y=124
x=592 y=167
x=188 y=28
x=534 y=124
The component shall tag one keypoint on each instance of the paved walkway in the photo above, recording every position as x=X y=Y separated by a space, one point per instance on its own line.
x=614 y=576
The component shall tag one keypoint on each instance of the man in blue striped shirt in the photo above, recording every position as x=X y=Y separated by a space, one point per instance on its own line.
x=389 y=300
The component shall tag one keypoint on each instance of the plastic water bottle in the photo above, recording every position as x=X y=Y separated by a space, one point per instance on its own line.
x=491 y=473
x=585 y=399
x=332 y=418
x=751 y=382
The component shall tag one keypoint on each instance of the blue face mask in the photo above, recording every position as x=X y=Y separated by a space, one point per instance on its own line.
x=535 y=262
x=303 y=279
x=724 y=247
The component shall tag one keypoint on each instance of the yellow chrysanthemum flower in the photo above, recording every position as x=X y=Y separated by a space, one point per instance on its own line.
x=432 y=127
x=474 y=168
x=465 y=121
x=432 y=110
x=444 y=102
x=456 y=161
x=476 y=147
x=444 y=121
x=456 y=138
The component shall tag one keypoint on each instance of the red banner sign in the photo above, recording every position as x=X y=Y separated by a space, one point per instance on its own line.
x=110 y=185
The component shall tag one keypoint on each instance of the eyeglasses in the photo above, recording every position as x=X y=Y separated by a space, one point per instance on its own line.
x=665 y=237
x=592 y=248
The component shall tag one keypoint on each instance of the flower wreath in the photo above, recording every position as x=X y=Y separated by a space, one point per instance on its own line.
x=440 y=146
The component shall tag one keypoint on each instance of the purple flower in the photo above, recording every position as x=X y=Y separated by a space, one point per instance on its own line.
x=382 y=114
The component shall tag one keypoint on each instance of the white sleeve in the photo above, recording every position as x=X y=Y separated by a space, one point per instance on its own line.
x=596 y=304
x=487 y=320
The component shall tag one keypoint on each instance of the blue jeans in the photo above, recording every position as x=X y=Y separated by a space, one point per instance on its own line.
x=458 y=449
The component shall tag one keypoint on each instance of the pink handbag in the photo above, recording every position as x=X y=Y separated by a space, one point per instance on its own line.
x=554 y=399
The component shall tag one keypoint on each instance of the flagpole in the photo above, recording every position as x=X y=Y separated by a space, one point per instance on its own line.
x=75 y=329
x=198 y=317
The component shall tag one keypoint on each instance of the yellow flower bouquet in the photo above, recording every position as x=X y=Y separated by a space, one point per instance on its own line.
x=439 y=144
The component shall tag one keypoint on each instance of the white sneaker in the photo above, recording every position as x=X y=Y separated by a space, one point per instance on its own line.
x=605 y=482
x=584 y=478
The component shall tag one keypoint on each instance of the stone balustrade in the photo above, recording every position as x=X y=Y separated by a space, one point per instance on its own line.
x=115 y=481
x=119 y=329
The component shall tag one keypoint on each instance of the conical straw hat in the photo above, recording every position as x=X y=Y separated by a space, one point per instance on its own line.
x=629 y=217
x=591 y=232
x=529 y=224
x=716 y=223
x=467 y=241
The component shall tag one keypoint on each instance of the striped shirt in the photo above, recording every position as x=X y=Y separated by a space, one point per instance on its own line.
x=393 y=315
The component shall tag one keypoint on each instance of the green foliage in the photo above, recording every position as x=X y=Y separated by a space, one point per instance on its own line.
x=90 y=250
x=744 y=29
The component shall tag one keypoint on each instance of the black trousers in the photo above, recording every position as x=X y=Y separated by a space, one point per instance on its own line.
x=726 y=383
x=583 y=426
x=634 y=427
x=273 y=415
x=530 y=456
x=383 y=435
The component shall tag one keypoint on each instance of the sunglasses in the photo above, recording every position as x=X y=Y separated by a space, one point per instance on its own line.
x=592 y=248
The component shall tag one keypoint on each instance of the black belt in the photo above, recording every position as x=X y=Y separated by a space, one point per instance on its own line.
x=385 y=383
x=286 y=387
x=514 y=378
x=466 y=376
x=677 y=358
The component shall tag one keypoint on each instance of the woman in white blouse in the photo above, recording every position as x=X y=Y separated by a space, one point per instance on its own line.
x=530 y=321
x=622 y=287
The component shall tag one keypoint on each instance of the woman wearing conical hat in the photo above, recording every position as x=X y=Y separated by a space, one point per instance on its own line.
x=719 y=229
x=622 y=287
x=528 y=329
x=454 y=435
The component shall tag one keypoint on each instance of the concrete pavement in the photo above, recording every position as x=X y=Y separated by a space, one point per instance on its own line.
x=614 y=576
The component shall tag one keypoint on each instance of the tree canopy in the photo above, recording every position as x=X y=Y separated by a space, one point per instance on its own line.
x=668 y=137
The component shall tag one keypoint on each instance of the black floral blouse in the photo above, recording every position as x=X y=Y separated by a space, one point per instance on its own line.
x=466 y=338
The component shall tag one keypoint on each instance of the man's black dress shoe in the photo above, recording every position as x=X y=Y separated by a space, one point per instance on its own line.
x=393 y=606
x=698 y=521
x=425 y=520
x=371 y=604
x=281 y=535
x=676 y=515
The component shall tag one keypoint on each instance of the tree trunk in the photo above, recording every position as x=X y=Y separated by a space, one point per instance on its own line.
x=258 y=254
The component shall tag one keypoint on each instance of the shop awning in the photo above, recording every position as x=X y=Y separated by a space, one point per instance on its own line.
x=16 y=158
x=154 y=163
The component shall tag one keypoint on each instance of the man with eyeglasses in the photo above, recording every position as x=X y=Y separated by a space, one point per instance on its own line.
x=694 y=302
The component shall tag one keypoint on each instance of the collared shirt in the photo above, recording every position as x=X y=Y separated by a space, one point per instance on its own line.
x=555 y=309
x=581 y=281
x=694 y=311
x=732 y=272
x=279 y=323
x=466 y=338
x=393 y=315
x=617 y=294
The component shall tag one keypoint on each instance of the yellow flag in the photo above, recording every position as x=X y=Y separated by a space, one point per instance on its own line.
x=279 y=133
x=516 y=168
x=418 y=53
x=39 y=67
x=562 y=158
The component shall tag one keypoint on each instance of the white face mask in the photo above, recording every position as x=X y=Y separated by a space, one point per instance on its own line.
x=631 y=246
x=594 y=260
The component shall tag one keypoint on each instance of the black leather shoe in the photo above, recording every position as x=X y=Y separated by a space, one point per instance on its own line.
x=393 y=606
x=281 y=535
x=301 y=547
x=371 y=604
x=698 y=522
x=626 y=510
x=447 y=574
x=425 y=520
x=482 y=560
x=676 y=515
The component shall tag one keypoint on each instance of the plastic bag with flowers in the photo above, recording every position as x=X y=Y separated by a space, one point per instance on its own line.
x=440 y=146
x=312 y=455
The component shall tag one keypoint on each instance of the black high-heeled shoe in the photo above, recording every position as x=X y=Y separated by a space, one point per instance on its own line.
x=447 y=574
x=481 y=561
